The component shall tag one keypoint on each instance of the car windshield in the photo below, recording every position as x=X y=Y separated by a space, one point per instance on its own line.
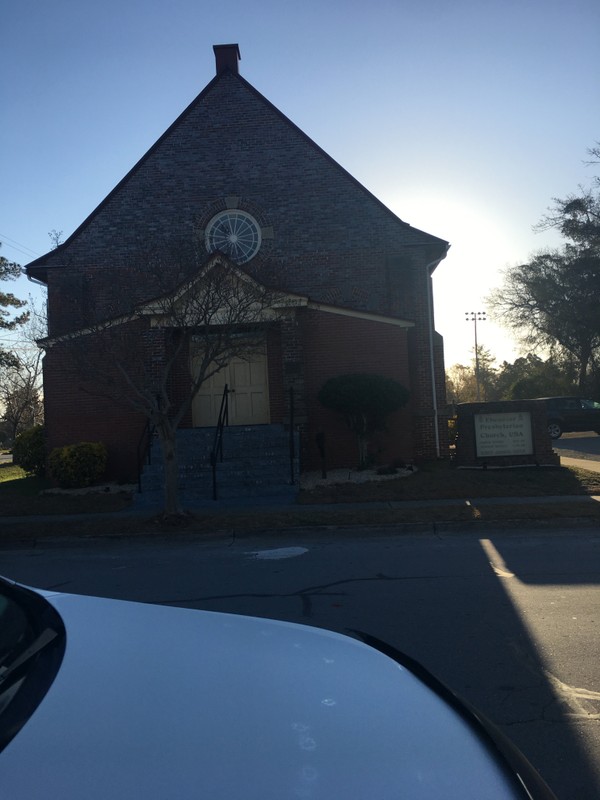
x=590 y=404
x=32 y=642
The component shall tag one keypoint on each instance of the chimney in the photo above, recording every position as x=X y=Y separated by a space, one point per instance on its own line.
x=227 y=56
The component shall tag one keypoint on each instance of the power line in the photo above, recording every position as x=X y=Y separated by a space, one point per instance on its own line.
x=22 y=248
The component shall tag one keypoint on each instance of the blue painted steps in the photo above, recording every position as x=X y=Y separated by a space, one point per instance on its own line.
x=255 y=467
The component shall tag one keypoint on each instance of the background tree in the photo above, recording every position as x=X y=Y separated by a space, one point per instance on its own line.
x=530 y=376
x=365 y=402
x=577 y=216
x=552 y=301
x=21 y=404
x=203 y=312
x=486 y=373
x=9 y=271
x=461 y=380
x=460 y=384
x=56 y=237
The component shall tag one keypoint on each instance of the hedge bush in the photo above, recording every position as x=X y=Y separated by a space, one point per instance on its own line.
x=365 y=401
x=29 y=450
x=77 y=465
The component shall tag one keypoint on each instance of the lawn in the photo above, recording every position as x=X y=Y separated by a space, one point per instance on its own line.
x=20 y=495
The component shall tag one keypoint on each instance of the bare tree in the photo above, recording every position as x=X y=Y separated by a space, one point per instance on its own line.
x=20 y=395
x=576 y=217
x=215 y=313
x=55 y=238
x=21 y=405
x=552 y=300
x=462 y=381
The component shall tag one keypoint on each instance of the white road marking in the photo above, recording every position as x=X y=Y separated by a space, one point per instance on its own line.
x=277 y=553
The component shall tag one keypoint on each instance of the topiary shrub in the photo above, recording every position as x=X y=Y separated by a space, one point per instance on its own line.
x=77 y=465
x=452 y=430
x=365 y=402
x=29 y=450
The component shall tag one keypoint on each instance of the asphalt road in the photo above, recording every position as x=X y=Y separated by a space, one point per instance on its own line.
x=507 y=620
x=581 y=445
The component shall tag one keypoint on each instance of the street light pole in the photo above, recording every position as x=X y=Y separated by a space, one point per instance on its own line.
x=475 y=317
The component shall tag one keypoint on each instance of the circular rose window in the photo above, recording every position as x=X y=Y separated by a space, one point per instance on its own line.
x=234 y=233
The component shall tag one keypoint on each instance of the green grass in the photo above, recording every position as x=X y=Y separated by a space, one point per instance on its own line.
x=8 y=472
x=15 y=482
x=20 y=495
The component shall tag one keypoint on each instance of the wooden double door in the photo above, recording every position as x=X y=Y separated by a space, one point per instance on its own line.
x=247 y=380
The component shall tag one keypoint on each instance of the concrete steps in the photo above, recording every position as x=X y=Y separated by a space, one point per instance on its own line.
x=255 y=466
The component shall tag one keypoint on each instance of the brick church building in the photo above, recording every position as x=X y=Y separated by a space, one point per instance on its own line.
x=236 y=177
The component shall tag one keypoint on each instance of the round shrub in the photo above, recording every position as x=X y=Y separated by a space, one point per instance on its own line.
x=364 y=400
x=29 y=450
x=76 y=466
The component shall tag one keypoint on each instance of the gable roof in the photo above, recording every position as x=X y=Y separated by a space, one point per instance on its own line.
x=37 y=269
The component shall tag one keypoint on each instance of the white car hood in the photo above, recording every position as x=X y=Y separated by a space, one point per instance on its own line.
x=159 y=702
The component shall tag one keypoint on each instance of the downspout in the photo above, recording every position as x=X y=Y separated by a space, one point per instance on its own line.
x=429 y=270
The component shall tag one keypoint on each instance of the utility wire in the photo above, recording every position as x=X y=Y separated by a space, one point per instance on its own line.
x=22 y=248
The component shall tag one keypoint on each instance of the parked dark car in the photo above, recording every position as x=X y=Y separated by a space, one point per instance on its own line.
x=109 y=699
x=568 y=414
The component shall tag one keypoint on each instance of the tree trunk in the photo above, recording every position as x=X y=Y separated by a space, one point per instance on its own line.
x=168 y=444
x=583 y=365
x=582 y=376
x=363 y=447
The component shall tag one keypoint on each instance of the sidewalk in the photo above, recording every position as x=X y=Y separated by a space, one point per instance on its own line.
x=240 y=506
x=581 y=463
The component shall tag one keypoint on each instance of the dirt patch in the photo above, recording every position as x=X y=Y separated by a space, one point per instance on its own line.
x=443 y=481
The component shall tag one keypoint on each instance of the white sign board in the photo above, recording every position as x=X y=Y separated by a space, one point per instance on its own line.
x=503 y=434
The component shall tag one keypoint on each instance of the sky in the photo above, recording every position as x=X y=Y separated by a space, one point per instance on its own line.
x=465 y=117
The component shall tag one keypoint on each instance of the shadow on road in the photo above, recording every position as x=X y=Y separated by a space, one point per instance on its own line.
x=472 y=634
x=451 y=606
x=551 y=621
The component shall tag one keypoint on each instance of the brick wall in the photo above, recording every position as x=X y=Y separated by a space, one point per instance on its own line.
x=73 y=414
x=324 y=236
x=278 y=401
x=328 y=237
x=336 y=345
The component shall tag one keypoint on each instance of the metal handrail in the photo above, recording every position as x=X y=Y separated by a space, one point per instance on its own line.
x=292 y=437
x=217 y=450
